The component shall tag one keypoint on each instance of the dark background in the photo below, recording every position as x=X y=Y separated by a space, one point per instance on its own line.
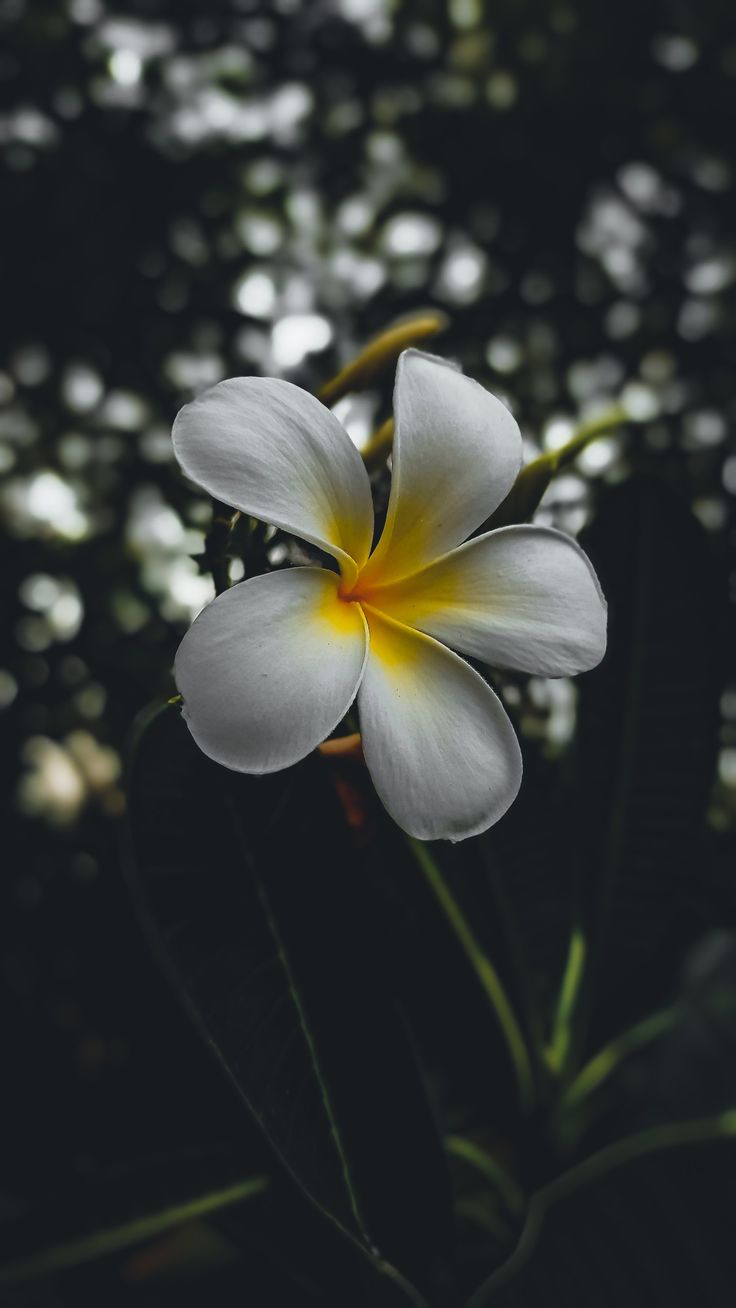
x=191 y=192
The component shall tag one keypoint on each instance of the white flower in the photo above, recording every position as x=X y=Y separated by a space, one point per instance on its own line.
x=270 y=667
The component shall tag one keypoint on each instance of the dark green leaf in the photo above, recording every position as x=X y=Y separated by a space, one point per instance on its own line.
x=615 y=834
x=647 y=733
x=652 y=1233
x=113 y=1212
x=252 y=895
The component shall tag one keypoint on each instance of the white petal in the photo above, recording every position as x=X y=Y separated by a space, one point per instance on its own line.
x=441 y=751
x=273 y=451
x=270 y=667
x=521 y=597
x=457 y=452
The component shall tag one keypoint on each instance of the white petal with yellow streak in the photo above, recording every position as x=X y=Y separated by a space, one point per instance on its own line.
x=270 y=667
x=521 y=597
x=273 y=451
x=456 y=455
x=441 y=751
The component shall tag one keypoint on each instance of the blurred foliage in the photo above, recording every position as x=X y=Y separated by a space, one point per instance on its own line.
x=192 y=192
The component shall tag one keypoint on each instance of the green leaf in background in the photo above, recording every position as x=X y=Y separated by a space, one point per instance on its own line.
x=111 y=1213
x=180 y=1227
x=251 y=893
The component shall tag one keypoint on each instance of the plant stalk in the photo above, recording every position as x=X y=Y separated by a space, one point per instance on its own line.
x=484 y=970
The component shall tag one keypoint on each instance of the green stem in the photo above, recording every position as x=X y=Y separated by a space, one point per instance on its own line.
x=508 y=1189
x=527 y=1001
x=559 y=1046
x=381 y=353
x=484 y=970
x=607 y=1059
x=379 y=446
x=60 y=1257
x=534 y=478
x=590 y=431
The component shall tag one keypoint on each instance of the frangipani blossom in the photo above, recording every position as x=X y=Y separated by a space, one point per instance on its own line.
x=270 y=667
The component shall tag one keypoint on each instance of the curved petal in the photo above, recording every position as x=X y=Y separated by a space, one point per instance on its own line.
x=273 y=451
x=270 y=667
x=521 y=597
x=457 y=452
x=441 y=751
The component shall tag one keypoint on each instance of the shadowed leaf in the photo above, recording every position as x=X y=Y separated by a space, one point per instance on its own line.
x=619 y=825
x=116 y=1212
x=252 y=897
x=654 y=1232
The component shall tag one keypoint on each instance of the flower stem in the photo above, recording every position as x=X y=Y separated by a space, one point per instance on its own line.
x=535 y=477
x=381 y=353
x=589 y=431
x=484 y=970
x=379 y=446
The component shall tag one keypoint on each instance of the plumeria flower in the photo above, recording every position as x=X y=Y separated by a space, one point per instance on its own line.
x=270 y=667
